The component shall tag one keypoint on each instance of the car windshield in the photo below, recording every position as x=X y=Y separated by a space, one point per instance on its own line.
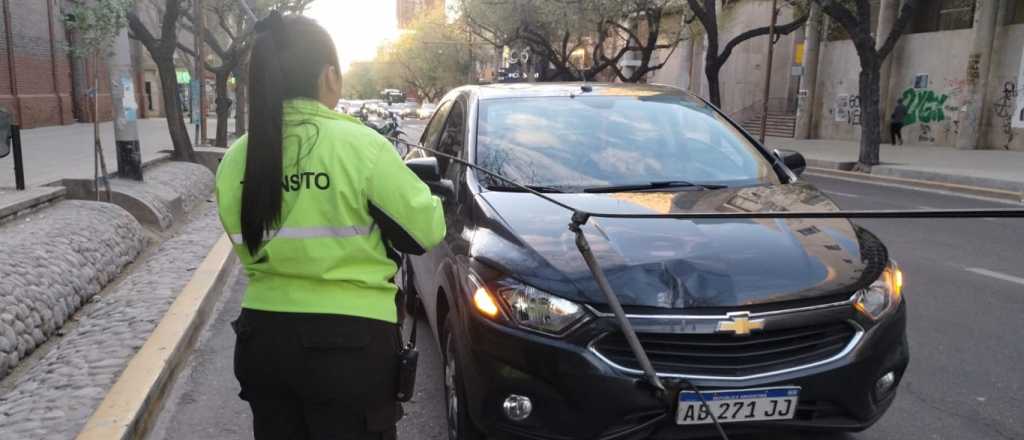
x=589 y=142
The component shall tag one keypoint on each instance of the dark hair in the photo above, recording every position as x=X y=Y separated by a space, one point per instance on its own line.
x=287 y=59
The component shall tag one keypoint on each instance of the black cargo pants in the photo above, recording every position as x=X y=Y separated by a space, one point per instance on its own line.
x=317 y=376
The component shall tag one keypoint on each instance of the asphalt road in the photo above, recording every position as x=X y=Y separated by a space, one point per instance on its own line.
x=965 y=289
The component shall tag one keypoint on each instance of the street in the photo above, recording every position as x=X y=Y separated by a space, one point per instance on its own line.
x=964 y=283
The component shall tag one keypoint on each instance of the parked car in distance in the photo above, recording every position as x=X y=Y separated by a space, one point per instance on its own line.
x=782 y=324
x=404 y=109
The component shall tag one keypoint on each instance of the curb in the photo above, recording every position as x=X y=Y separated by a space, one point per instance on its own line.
x=27 y=199
x=153 y=161
x=1012 y=196
x=132 y=404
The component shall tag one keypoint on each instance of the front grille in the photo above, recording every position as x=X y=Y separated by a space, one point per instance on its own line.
x=728 y=355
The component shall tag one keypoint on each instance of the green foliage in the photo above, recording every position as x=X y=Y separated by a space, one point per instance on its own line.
x=96 y=24
x=362 y=82
x=432 y=57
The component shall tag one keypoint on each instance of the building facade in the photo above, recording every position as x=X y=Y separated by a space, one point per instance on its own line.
x=35 y=71
x=949 y=47
x=408 y=10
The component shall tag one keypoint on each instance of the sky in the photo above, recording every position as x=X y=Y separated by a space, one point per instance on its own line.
x=358 y=27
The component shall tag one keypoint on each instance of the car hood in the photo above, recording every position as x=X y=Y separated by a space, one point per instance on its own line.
x=670 y=263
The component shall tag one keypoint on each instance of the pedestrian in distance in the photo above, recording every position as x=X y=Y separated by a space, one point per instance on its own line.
x=312 y=201
x=896 y=122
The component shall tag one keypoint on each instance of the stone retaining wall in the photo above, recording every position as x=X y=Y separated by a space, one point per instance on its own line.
x=168 y=191
x=52 y=262
x=55 y=396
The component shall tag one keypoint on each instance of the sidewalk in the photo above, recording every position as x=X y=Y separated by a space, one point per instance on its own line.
x=991 y=169
x=66 y=152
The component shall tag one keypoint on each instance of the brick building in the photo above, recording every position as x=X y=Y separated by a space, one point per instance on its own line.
x=408 y=10
x=40 y=83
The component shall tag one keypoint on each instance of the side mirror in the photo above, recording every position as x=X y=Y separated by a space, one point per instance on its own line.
x=427 y=170
x=792 y=159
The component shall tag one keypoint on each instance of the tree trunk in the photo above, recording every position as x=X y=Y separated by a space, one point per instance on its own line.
x=241 y=99
x=711 y=71
x=223 y=107
x=870 y=95
x=172 y=109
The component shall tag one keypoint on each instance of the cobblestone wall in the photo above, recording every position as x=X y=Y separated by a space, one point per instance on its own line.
x=51 y=263
x=55 y=397
x=192 y=182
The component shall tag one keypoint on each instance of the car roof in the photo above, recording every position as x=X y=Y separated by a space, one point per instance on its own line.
x=561 y=89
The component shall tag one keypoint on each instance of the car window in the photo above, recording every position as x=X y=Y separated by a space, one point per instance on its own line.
x=453 y=136
x=432 y=134
x=579 y=142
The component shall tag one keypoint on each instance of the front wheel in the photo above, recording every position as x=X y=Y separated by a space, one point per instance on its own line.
x=460 y=427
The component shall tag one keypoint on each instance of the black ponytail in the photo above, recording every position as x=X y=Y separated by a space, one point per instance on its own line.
x=287 y=59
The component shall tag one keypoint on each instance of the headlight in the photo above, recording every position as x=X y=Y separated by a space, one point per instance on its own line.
x=883 y=295
x=538 y=310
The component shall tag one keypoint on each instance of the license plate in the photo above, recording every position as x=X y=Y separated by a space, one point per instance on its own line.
x=738 y=405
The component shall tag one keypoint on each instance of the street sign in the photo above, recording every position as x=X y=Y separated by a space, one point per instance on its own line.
x=194 y=100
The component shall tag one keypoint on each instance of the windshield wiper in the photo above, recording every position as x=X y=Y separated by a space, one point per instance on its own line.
x=510 y=188
x=652 y=185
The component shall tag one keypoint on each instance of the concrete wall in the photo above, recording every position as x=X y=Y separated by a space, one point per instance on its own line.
x=943 y=57
x=1006 y=60
x=937 y=120
x=742 y=77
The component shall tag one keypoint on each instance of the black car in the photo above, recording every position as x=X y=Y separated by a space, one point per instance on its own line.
x=780 y=323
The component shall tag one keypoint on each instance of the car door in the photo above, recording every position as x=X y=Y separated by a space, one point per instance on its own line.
x=441 y=134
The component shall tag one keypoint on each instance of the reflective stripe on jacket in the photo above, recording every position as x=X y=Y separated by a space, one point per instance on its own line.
x=344 y=188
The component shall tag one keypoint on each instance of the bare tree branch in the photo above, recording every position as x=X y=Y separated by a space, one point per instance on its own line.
x=780 y=30
x=899 y=27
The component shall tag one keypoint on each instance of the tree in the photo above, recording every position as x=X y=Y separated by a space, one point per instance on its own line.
x=161 y=48
x=555 y=31
x=432 y=59
x=230 y=42
x=648 y=15
x=706 y=12
x=95 y=26
x=361 y=81
x=857 y=24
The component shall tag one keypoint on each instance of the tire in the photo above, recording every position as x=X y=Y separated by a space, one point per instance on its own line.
x=460 y=425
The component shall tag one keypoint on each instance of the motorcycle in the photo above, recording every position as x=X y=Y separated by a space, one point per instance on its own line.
x=389 y=126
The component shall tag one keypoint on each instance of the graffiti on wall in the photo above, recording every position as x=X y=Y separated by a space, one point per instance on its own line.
x=924 y=106
x=1005 y=107
x=926 y=134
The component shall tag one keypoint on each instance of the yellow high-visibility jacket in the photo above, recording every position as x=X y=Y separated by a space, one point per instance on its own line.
x=344 y=186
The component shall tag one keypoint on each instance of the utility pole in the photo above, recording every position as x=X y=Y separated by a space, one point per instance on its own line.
x=768 y=70
x=126 y=109
x=200 y=40
x=809 y=81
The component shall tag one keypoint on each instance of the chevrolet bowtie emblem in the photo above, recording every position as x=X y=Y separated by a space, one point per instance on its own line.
x=740 y=324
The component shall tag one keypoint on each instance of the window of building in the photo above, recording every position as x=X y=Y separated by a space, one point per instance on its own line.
x=837 y=32
x=943 y=15
x=1015 y=12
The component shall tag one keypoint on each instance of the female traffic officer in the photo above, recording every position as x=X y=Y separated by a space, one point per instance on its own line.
x=308 y=197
